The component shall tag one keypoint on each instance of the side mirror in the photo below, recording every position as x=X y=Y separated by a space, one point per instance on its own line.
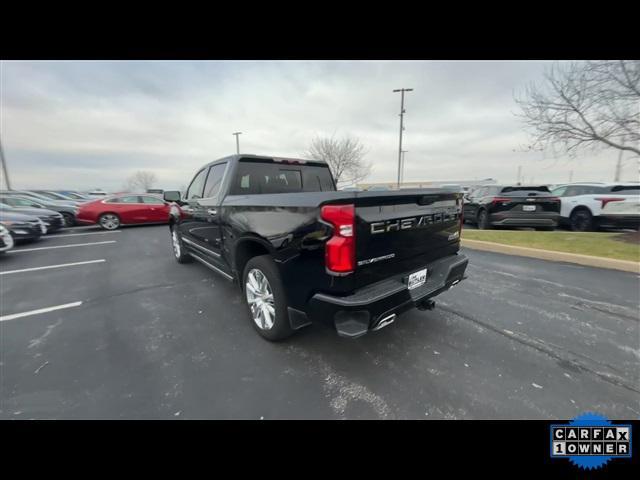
x=171 y=196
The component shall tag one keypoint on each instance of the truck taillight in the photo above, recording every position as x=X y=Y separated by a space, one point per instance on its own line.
x=606 y=200
x=500 y=200
x=340 y=249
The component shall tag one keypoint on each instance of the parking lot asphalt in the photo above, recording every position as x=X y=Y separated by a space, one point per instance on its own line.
x=142 y=337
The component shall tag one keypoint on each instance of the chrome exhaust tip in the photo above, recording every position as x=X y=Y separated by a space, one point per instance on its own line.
x=385 y=321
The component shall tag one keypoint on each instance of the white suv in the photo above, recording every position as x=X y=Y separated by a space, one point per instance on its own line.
x=588 y=206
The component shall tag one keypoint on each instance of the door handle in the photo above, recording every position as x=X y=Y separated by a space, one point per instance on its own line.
x=212 y=211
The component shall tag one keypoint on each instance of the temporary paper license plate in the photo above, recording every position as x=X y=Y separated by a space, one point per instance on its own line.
x=417 y=278
x=528 y=208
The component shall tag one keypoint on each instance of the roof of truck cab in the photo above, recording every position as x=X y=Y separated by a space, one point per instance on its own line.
x=237 y=157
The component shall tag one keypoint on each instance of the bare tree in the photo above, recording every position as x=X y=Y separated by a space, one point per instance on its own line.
x=585 y=105
x=345 y=157
x=141 y=180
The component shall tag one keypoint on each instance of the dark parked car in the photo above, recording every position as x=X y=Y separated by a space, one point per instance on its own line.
x=54 y=196
x=49 y=199
x=6 y=240
x=512 y=206
x=15 y=199
x=72 y=196
x=22 y=227
x=302 y=251
x=52 y=220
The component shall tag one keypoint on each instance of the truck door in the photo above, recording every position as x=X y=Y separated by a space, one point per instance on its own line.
x=201 y=226
x=192 y=219
x=208 y=211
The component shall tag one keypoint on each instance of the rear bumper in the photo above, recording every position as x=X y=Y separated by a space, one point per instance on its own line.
x=367 y=308
x=524 y=219
x=619 y=221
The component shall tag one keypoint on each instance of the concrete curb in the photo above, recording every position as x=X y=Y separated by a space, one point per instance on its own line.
x=588 y=260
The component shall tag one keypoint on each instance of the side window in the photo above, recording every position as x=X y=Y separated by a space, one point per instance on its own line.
x=195 y=189
x=152 y=200
x=214 y=180
x=113 y=200
x=130 y=199
x=625 y=189
x=572 y=191
x=559 y=192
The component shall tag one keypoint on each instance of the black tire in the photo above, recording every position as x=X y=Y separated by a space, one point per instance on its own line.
x=581 y=220
x=69 y=219
x=179 y=252
x=483 y=220
x=280 y=328
x=109 y=221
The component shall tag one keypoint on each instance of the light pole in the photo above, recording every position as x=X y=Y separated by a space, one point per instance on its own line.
x=4 y=167
x=237 y=134
x=401 y=90
x=402 y=168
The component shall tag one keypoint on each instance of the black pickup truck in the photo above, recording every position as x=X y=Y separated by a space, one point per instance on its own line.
x=302 y=251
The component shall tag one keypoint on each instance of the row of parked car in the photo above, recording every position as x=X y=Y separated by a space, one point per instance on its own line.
x=581 y=207
x=26 y=215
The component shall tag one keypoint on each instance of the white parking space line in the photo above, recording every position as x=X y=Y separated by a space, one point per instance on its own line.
x=40 y=310
x=60 y=246
x=52 y=266
x=78 y=234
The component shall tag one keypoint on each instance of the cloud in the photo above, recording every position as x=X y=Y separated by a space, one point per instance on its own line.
x=91 y=124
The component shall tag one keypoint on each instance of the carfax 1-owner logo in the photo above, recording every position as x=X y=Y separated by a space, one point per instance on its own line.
x=590 y=441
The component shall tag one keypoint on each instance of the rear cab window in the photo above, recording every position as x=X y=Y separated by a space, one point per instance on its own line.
x=263 y=177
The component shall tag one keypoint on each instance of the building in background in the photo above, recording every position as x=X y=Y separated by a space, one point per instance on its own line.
x=465 y=184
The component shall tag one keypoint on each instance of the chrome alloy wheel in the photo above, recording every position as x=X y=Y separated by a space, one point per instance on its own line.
x=109 y=221
x=176 y=243
x=260 y=299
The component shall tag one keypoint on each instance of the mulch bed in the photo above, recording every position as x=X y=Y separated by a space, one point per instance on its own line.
x=630 y=237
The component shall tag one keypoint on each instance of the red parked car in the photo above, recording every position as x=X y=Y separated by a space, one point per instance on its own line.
x=113 y=211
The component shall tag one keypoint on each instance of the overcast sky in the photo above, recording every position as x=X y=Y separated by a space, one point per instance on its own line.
x=84 y=125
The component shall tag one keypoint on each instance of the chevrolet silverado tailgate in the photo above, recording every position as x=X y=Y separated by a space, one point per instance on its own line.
x=398 y=231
